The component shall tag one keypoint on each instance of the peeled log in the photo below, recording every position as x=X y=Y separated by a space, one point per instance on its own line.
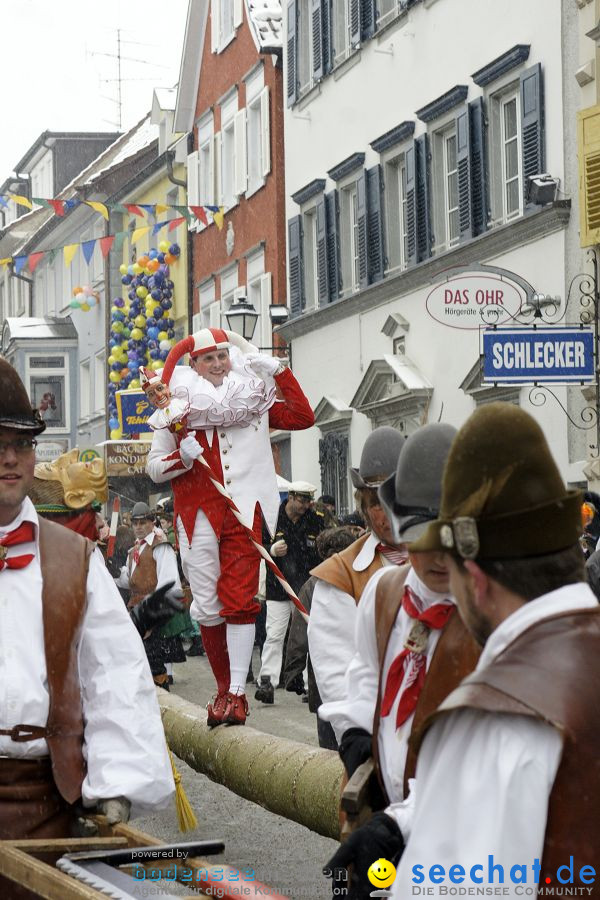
x=290 y=779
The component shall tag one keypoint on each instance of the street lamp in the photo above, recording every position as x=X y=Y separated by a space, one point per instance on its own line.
x=241 y=318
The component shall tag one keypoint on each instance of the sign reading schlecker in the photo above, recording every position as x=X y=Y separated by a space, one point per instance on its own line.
x=540 y=355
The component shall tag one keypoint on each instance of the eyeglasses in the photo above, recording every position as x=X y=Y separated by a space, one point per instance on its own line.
x=19 y=445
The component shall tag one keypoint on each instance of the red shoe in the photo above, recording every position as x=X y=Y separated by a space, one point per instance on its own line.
x=236 y=709
x=216 y=710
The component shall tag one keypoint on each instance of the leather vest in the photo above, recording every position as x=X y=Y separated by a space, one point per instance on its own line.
x=338 y=570
x=64 y=561
x=551 y=672
x=143 y=580
x=454 y=657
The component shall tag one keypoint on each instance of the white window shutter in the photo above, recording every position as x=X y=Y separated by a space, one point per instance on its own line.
x=265 y=303
x=192 y=185
x=238 y=13
x=218 y=198
x=196 y=322
x=215 y=22
x=241 y=161
x=210 y=200
x=265 y=133
x=215 y=315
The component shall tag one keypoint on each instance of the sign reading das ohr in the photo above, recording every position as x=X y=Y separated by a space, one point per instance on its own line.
x=471 y=299
x=540 y=355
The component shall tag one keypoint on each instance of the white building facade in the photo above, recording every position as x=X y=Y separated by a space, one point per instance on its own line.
x=411 y=131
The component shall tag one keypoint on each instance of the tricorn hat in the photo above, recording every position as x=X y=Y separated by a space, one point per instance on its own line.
x=411 y=496
x=502 y=494
x=378 y=458
x=141 y=511
x=15 y=407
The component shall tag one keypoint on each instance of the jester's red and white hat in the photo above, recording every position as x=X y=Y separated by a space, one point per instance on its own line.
x=148 y=378
x=207 y=340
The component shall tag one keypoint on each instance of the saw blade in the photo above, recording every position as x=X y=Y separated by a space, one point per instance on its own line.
x=107 y=880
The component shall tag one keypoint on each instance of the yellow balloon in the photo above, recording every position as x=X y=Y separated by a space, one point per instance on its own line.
x=116 y=434
x=111 y=359
x=139 y=321
x=134 y=384
x=164 y=246
x=115 y=377
x=137 y=269
x=123 y=269
x=85 y=307
x=156 y=365
x=124 y=346
x=137 y=334
x=163 y=336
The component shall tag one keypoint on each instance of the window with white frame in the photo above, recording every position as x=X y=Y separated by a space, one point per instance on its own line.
x=349 y=245
x=395 y=212
x=505 y=148
x=309 y=252
x=445 y=180
x=206 y=168
x=388 y=10
x=228 y=113
x=229 y=285
x=258 y=137
x=258 y=291
x=305 y=46
x=99 y=382
x=47 y=379
x=343 y=12
x=226 y=16
x=84 y=389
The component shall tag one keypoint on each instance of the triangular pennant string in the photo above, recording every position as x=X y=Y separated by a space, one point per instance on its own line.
x=99 y=207
x=161 y=208
x=58 y=206
x=69 y=252
x=133 y=209
x=175 y=223
x=139 y=232
x=34 y=259
x=105 y=244
x=87 y=248
x=184 y=211
x=19 y=263
x=119 y=239
x=21 y=201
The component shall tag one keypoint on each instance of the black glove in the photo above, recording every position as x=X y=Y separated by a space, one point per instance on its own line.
x=296 y=684
x=379 y=838
x=355 y=748
x=157 y=608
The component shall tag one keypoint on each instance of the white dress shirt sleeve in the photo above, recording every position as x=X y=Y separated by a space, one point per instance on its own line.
x=483 y=783
x=331 y=638
x=164 y=459
x=166 y=565
x=124 y=741
x=357 y=707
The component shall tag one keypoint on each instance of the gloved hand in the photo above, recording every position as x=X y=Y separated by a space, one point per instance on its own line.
x=355 y=748
x=279 y=548
x=190 y=449
x=117 y=809
x=157 y=608
x=265 y=365
x=296 y=684
x=379 y=838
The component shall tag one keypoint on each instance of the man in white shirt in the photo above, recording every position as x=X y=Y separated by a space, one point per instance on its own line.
x=79 y=717
x=508 y=778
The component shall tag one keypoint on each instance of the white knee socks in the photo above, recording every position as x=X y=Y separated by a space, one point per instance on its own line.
x=240 y=641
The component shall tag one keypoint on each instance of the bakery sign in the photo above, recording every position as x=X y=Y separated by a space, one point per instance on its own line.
x=485 y=296
x=124 y=458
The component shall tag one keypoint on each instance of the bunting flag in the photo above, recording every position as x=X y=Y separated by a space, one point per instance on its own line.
x=99 y=207
x=133 y=209
x=120 y=239
x=21 y=201
x=105 y=244
x=69 y=252
x=219 y=217
x=58 y=206
x=156 y=228
x=87 y=248
x=160 y=208
x=19 y=263
x=34 y=259
x=175 y=223
x=184 y=211
x=139 y=232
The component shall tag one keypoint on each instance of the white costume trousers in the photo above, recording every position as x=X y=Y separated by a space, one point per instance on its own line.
x=201 y=567
x=278 y=616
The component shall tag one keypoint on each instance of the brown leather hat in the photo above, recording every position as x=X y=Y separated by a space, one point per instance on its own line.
x=15 y=407
x=502 y=494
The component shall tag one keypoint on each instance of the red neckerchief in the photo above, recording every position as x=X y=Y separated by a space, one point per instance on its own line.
x=24 y=534
x=412 y=660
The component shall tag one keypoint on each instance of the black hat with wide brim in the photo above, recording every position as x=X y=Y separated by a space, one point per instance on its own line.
x=15 y=407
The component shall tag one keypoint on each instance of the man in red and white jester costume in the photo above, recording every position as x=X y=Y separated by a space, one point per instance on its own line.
x=235 y=399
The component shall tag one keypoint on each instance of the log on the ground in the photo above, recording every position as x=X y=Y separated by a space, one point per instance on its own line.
x=288 y=778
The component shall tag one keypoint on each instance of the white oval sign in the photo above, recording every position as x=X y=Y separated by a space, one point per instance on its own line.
x=472 y=300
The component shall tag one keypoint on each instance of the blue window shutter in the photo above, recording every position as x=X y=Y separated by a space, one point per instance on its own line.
x=332 y=211
x=296 y=266
x=355 y=22
x=479 y=166
x=367 y=19
x=322 y=274
x=317 y=39
x=463 y=164
x=532 y=123
x=411 y=206
x=292 y=53
x=361 y=202
x=327 y=49
x=423 y=192
x=375 y=252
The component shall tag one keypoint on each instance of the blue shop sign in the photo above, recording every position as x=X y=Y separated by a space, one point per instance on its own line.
x=540 y=355
x=133 y=410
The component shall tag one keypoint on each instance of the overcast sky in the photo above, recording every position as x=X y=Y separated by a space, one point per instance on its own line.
x=52 y=76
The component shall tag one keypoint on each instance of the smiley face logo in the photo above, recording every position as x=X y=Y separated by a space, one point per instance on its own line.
x=381 y=873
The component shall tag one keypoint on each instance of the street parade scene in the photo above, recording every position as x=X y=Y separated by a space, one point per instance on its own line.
x=300 y=449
